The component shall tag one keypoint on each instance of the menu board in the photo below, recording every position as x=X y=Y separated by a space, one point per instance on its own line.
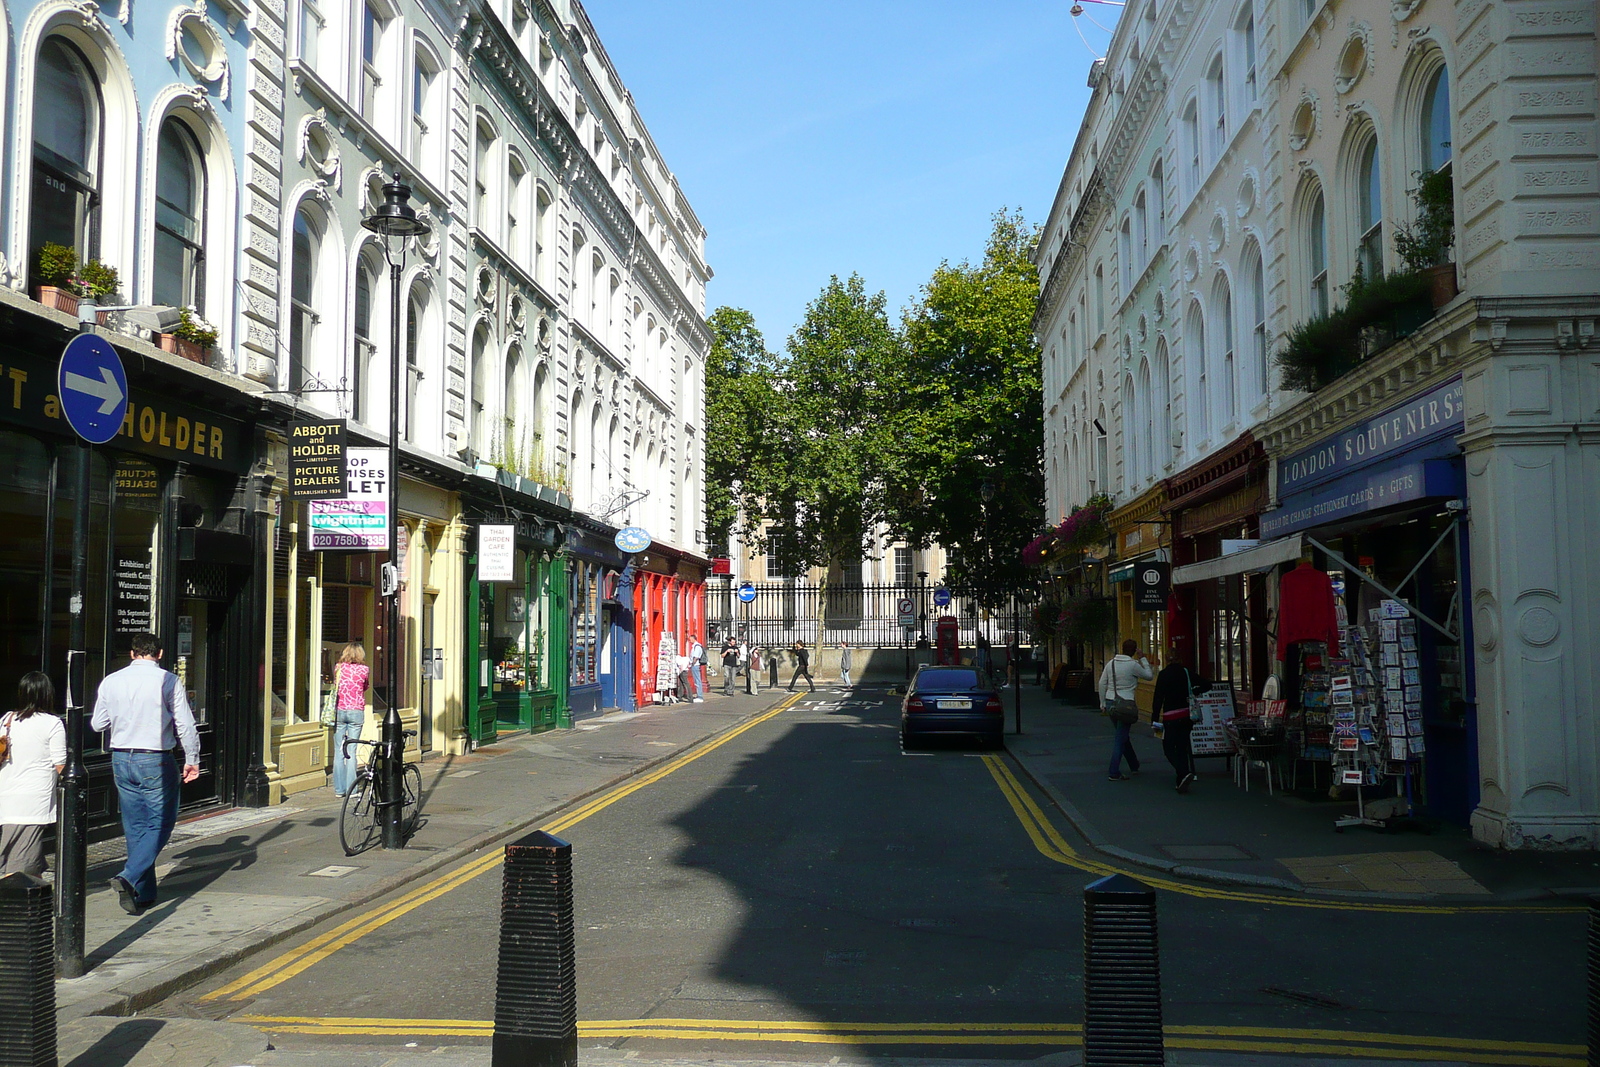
x=1209 y=712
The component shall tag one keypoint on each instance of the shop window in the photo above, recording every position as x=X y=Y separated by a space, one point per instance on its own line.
x=66 y=152
x=180 y=209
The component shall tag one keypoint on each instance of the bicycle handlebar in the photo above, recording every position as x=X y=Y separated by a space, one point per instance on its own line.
x=375 y=744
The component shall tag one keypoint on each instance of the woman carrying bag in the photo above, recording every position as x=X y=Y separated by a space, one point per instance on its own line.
x=1172 y=720
x=36 y=753
x=1119 y=683
x=345 y=709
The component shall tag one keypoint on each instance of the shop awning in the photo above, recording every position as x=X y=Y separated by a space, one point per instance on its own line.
x=1261 y=557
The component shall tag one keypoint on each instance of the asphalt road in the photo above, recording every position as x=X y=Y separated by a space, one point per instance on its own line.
x=805 y=890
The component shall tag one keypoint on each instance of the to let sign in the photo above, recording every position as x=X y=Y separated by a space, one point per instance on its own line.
x=359 y=519
x=316 y=460
x=497 y=553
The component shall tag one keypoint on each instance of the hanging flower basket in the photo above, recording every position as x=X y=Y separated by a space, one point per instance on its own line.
x=1087 y=525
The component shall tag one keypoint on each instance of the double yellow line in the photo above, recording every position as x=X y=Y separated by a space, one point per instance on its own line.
x=287 y=965
x=1048 y=840
x=1280 y=1040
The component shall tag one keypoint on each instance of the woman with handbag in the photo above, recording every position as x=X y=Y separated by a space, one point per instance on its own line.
x=35 y=754
x=1171 y=718
x=1119 y=683
x=348 y=714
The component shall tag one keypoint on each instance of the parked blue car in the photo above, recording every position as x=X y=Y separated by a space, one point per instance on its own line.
x=951 y=702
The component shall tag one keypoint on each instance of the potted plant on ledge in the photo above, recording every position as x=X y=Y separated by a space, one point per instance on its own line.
x=63 y=281
x=1424 y=246
x=193 y=338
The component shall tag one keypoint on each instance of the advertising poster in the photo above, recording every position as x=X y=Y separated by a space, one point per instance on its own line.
x=497 y=553
x=1210 y=711
x=360 y=519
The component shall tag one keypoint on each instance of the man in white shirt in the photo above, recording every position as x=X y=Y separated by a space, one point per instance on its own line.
x=697 y=670
x=143 y=706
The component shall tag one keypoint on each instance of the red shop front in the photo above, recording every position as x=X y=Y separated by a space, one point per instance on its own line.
x=669 y=604
x=1220 y=624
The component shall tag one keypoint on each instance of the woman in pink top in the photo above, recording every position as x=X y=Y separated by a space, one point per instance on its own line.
x=350 y=681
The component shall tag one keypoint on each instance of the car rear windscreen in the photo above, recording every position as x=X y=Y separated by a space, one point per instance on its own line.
x=951 y=679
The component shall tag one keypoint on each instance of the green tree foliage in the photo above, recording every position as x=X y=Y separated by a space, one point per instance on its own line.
x=968 y=411
x=740 y=399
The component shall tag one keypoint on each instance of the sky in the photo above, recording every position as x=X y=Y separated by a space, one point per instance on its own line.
x=870 y=137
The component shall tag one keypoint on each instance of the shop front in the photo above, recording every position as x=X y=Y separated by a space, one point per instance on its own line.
x=601 y=636
x=670 y=608
x=516 y=628
x=1218 y=620
x=173 y=528
x=1373 y=638
x=1142 y=538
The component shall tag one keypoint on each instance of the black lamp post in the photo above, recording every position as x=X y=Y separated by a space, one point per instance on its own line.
x=394 y=221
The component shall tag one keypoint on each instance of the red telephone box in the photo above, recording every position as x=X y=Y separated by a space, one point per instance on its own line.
x=947 y=646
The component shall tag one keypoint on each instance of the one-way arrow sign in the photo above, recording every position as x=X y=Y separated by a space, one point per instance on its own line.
x=92 y=387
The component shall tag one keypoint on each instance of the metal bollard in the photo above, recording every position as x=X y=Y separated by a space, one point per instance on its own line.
x=27 y=973
x=1121 y=975
x=536 y=992
x=1594 y=982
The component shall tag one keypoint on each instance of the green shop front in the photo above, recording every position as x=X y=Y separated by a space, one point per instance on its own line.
x=516 y=620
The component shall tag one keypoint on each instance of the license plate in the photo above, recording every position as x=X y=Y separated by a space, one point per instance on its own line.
x=954 y=705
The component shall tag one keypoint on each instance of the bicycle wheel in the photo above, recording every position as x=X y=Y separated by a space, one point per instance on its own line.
x=358 y=819
x=411 y=810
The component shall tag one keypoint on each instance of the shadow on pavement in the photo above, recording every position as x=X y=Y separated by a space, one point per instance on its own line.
x=119 y=1047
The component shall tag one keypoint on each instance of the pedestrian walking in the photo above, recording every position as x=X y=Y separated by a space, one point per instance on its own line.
x=350 y=678
x=36 y=754
x=1119 y=682
x=802 y=665
x=845 y=662
x=1172 y=720
x=697 y=670
x=146 y=712
x=730 y=666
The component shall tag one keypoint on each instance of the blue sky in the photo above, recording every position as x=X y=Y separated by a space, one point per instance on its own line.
x=874 y=137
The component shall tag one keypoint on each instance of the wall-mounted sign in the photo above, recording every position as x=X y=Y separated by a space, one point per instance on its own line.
x=360 y=519
x=633 y=539
x=497 y=553
x=1437 y=413
x=1152 y=583
x=747 y=592
x=132 y=597
x=316 y=460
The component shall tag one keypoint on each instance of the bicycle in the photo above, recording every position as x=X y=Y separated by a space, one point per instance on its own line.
x=359 y=828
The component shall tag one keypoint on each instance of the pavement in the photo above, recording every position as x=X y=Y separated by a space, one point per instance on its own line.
x=1286 y=839
x=237 y=882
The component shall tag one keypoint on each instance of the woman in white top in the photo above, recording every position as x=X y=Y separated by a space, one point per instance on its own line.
x=1121 y=679
x=28 y=779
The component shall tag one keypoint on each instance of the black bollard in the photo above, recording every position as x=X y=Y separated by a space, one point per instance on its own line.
x=1594 y=982
x=536 y=994
x=27 y=973
x=1121 y=975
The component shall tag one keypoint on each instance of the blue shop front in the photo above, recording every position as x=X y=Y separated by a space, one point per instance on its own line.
x=602 y=623
x=1380 y=509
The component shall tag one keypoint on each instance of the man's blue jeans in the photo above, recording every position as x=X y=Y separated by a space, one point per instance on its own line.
x=147 y=792
x=697 y=678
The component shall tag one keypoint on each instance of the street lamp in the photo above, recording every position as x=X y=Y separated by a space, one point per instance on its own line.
x=394 y=221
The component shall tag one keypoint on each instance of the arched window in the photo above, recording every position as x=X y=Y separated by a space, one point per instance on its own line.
x=597 y=475
x=542 y=259
x=1125 y=256
x=313 y=27
x=1369 y=213
x=177 y=280
x=510 y=406
x=424 y=120
x=1436 y=153
x=1244 y=29
x=1194 y=356
x=66 y=153
x=1256 y=316
x=594 y=308
x=477 y=407
x=374 y=26
x=1141 y=232
x=518 y=211
x=1145 y=415
x=1217 y=102
x=483 y=179
x=416 y=308
x=1133 y=460
x=580 y=277
x=1229 y=385
x=1317 y=252
x=303 y=269
x=364 y=349
x=1100 y=297
x=1161 y=410
x=1191 y=148
x=1158 y=205
x=614 y=313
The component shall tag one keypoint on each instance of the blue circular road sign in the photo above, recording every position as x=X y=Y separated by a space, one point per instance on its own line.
x=941 y=597
x=92 y=387
x=747 y=592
